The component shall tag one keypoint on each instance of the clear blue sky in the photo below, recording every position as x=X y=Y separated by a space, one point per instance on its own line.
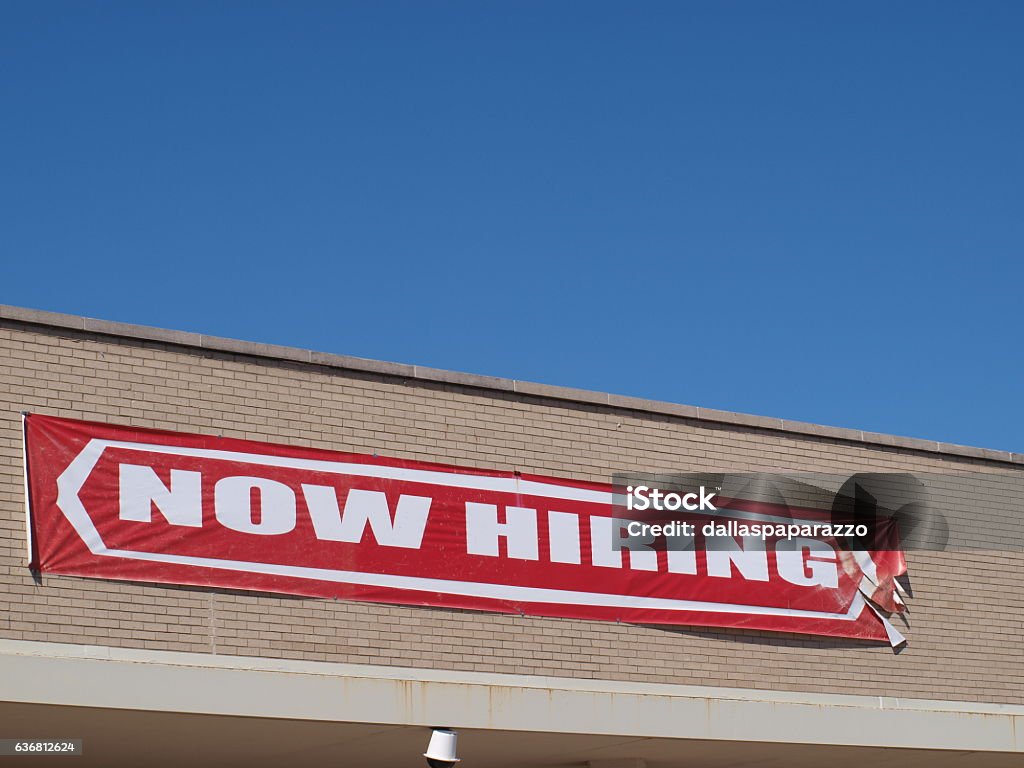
x=804 y=210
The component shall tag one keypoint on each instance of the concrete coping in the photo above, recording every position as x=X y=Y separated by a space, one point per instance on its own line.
x=527 y=388
x=209 y=684
x=73 y=651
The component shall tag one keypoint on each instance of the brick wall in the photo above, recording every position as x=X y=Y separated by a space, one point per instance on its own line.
x=965 y=633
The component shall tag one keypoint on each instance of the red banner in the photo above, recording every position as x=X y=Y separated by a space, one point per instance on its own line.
x=146 y=505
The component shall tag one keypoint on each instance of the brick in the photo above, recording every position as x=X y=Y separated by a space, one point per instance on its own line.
x=965 y=647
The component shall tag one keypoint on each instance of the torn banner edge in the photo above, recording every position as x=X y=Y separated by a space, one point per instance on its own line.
x=869 y=585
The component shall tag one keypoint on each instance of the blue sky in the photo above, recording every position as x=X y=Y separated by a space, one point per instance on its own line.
x=804 y=210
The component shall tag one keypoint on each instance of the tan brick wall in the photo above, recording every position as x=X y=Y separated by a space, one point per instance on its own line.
x=965 y=642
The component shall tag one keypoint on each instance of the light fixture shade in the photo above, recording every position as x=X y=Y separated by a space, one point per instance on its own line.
x=442 y=746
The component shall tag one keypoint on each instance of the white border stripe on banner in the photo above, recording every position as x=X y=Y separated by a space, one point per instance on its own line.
x=73 y=478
